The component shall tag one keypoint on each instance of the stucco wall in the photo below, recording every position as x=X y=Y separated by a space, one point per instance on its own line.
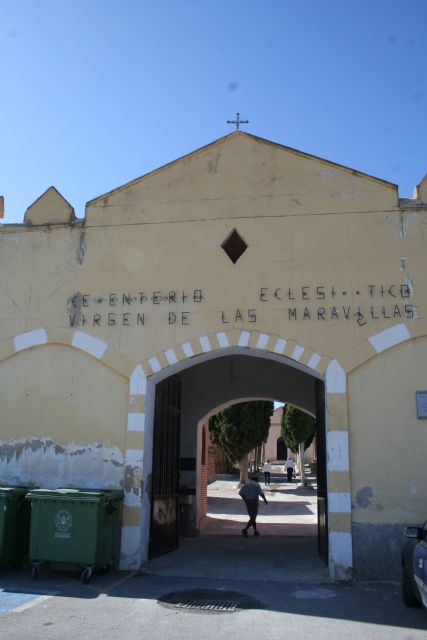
x=333 y=277
x=388 y=447
x=63 y=420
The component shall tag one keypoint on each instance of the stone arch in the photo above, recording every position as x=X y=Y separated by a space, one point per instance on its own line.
x=177 y=357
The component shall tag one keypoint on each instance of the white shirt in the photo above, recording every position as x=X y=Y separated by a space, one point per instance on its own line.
x=289 y=463
x=266 y=466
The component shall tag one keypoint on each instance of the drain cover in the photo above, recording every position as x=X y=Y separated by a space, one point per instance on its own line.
x=208 y=605
x=209 y=601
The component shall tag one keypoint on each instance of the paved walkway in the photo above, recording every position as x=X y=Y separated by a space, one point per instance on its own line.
x=286 y=550
x=291 y=509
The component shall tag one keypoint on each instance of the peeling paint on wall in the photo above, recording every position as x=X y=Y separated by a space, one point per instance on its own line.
x=82 y=248
x=133 y=486
x=407 y=222
x=48 y=464
x=74 y=307
x=364 y=498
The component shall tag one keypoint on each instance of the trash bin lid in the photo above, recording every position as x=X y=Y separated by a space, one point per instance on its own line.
x=67 y=494
x=10 y=491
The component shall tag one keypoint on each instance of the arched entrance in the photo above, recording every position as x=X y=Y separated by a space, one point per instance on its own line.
x=190 y=393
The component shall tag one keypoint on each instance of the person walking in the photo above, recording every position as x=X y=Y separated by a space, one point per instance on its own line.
x=266 y=467
x=250 y=493
x=290 y=466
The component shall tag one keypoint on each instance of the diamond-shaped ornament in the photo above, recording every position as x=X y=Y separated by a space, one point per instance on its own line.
x=234 y=245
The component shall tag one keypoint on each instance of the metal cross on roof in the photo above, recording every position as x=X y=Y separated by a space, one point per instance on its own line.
x=237 y=121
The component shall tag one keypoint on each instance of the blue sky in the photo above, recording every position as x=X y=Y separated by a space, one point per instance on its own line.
x=94 y=93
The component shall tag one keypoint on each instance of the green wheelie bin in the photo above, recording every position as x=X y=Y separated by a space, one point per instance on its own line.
x=14 y=525
x=75 y=529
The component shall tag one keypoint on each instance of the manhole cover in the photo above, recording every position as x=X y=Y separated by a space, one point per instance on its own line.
x=209 y=601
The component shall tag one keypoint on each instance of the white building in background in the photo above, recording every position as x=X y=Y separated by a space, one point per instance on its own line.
x=275 y=448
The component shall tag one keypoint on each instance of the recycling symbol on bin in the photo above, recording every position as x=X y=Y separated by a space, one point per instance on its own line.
x=63 y=521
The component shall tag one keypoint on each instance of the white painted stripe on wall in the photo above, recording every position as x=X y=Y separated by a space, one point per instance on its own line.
x=222 y=339
x=297 y=352
x=244 y=339
x=280 y=345
x=314 y=361
x=337 y=448
x=136 y=421
x=138 y=382
x=339 y=502
x=205 y=344
x=85 y=342
x=335 y=378
x=262 y=341
x=187 y=349
x=134 y=457
x=171 y=356
x=30 y=339
x=389 y=337
x=155 y=364
x=340 y=549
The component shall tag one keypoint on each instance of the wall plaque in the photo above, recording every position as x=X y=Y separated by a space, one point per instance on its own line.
x=421 y=398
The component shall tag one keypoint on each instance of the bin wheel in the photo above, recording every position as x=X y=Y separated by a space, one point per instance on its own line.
x=86 y=575
x=35 y=572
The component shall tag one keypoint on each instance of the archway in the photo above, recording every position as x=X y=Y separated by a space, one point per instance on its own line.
x=207 y=383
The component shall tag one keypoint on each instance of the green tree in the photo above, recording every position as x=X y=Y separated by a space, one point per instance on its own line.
x=241 y=428
x=298 y=429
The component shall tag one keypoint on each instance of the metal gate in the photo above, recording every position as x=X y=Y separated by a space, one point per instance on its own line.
x=165 y=473
x=322 y=493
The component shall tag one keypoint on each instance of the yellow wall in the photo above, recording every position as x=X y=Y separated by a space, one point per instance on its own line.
x=58 y=404
x=388 y=444
x=333 y=279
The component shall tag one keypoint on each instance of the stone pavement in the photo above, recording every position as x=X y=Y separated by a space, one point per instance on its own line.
x=281 y=574
x=291 y=509
x=286 y=550
x=122 y=605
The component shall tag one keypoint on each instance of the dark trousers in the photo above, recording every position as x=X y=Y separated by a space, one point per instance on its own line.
x=252 y=509
x=267 y=475
x=290 y=472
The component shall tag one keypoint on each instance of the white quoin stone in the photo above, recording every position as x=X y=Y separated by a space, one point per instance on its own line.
x=340 y=553
x=187 y=349
x=280 y=345
x=138 y=382
x=389 y=337
x=136 y=421
x=339 y=502
x=244 y=339
x=155 y=364
x=337 y=449
x=171 y=356
x=335 y=378
x=314 y=361
x=94 y=346
x=222 y=339
x=30 y=339
x=205 y=344
x=262 y=341
x=130 y=552
x=297 y=352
